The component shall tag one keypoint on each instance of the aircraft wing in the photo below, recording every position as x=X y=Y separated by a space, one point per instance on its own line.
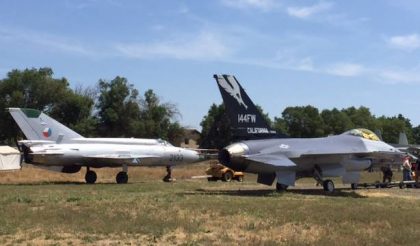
x=49 y=153
x=280 y=161
x=120 y=158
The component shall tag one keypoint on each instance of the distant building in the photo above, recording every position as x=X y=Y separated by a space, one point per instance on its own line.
x=189 y=139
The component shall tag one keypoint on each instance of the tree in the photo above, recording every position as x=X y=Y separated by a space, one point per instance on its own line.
x=216 y=129
x=36 y=88
x=361 y=117
x=391 y=127
x=280 y=126
x=303 y=121
x=118 y=108
x=75 y=110
x=158 y=118
x=336 y=122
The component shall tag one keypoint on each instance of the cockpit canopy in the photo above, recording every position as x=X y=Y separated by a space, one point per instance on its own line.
x=164 y=142
x=363 y=133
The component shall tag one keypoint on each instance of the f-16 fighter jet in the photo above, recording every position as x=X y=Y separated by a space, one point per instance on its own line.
x=53 y=146
x=275 y=157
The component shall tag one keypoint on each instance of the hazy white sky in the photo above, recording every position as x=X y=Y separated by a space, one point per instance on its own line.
x=285 y=53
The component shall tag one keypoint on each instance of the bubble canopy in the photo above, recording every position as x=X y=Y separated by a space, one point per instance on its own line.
x=363 y=133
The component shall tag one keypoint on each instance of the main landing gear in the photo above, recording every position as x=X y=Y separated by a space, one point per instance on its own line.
x=281 y=187
x=327 y=184
x=90 y=176
x=122 y=177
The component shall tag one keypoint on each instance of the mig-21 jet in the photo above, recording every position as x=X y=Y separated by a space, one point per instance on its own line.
x=274 y=157
x=53 y=146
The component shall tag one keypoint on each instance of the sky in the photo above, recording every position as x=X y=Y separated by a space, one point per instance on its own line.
x=285 y=53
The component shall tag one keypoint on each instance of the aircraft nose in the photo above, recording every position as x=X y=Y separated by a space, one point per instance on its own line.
x=191 y=156
x=232 y=156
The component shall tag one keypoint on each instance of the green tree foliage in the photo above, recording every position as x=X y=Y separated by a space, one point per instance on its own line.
x=361 y=117
x=118 y=108
x=36 y=88
x=215 y=131
x=280 y=126
x=391 y=127
x=157 y=117
x=303 y=121
x=336 y=122
x=121 y=113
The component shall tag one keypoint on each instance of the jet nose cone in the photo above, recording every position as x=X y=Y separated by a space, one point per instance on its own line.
x=191 y=156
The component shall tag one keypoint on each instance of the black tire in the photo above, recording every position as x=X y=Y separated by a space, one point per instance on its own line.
x=354 y=186
x=401 y=185
x=240 y=179
x=328 y=186
x=121 y=178
x=90 y=177
x=281 y=187
x=227 y=176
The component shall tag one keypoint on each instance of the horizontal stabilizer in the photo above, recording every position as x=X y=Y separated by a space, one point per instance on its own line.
x=274 y=160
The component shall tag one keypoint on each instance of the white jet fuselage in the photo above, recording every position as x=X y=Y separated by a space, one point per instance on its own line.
x=106 y=152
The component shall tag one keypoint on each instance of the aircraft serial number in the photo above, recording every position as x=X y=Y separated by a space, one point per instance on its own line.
x=176 y=157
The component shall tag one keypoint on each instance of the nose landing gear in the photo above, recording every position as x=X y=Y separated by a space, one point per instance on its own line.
x=168 y=177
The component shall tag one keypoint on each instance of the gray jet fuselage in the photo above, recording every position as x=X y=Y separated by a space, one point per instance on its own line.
x=334 y=155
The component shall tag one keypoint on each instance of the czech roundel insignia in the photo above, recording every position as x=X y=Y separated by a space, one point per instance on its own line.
x=47 y=132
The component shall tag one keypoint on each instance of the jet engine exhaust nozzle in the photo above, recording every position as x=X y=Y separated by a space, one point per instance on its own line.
x=233 y=156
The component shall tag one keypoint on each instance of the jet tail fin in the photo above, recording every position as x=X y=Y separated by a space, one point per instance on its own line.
x=246 y=120
x=403 y=139
x=39 y=126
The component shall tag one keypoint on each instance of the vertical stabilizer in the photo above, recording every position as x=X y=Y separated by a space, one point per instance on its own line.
x=403 y=139
x=39 y=126
x=246 y=121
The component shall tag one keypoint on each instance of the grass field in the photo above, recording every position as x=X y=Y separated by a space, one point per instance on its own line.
x=40 y=207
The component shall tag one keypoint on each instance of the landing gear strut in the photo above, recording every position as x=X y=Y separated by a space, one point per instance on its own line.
x=168 y=177
x=327 y=184
x=90 y=176
x=281 y=187
x=122 y=177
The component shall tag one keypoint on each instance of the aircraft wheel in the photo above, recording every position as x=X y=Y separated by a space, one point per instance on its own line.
x=90 y=177
x=354 y=186
x=281 y=187
x=227 y=176
x=122 y=178
x=240 y=178
x=401 y=185
x=328 y=186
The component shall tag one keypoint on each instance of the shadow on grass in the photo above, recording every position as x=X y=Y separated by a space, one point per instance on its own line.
x=62 y=183
x=272 y=193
